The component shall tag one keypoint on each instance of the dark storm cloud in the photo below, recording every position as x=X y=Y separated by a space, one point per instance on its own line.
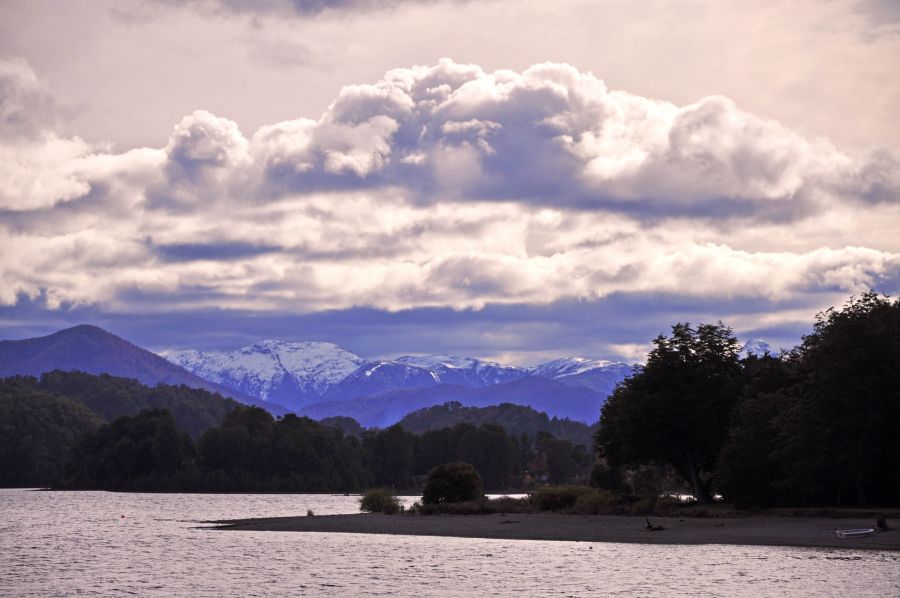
x=186 y=252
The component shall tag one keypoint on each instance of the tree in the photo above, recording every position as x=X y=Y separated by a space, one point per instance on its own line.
x=564 y=461
x=749 y=469
x=676 y=409
x=392 y=452
x=37 y=431
x=491 y=451
x=131 y=453
x=253 y=451
x=837 y=435
x=452 y=482
x=380 y=500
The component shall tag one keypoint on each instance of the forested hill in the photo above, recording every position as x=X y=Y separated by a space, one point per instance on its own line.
x=42 y=420
x=109 y=397
x=515 y=419
x=95 y=351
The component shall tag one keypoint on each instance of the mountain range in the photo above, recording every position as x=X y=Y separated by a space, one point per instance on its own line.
x=323 y=380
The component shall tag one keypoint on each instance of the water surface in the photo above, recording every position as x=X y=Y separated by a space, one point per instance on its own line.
x=98 y=543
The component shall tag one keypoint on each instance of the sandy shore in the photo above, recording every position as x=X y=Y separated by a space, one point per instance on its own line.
x=756 y=530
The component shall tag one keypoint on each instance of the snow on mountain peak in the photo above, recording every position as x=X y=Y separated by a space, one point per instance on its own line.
x=465 y=371
x=756 y=347
x=295 y=374
x=568 y=366
x=273 y=370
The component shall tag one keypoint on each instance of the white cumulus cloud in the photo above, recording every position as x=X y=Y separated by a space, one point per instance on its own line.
x=441 y=185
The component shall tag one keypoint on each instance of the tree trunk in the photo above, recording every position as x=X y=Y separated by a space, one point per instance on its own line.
x=700 y=492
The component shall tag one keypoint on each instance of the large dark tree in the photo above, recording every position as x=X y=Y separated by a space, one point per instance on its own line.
x=749 y=468
x=676 y=410
x=838 y=435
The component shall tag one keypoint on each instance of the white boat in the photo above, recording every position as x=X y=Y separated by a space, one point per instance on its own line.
x=855 y=533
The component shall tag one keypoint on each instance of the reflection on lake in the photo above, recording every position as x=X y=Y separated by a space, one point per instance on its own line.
x=65 y=543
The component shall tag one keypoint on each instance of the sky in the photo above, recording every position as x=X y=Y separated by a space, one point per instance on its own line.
x=509 y=180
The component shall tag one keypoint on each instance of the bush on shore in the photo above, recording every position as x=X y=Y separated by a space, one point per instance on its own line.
x=380 y=500
x=452 y=483
x=558 y=498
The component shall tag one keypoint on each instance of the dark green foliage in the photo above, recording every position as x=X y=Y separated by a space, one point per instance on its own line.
x=748 y=465
x=380 y=500
x=814 y=426
x=503 y=461
x=556 y=498
x=515 y=419
x=452 y=483
x=677 y=409
x=194 y=410
x=838 y=437
x=347 y=425
x=491 y=452
x=439 y=446
x=604 y=477
x=392 y=454
x=249 y=451
x=139 y=452
x=42 y=419
x=37 y=431
x=562 y=461
x=253 y=451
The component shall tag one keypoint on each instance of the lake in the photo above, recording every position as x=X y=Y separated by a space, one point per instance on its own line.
x=99 y=543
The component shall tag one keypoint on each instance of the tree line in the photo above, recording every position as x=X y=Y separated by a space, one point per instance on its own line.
x=41 y=420
x=253 y=451
x=816 y=425
x=180 y=439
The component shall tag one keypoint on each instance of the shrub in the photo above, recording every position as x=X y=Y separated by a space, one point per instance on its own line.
x=380 y=500
x=556 y=498
x=594 y=502
x=452 y=483
x=481 y=506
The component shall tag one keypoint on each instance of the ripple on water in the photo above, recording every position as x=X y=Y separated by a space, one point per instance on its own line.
x=63 y=543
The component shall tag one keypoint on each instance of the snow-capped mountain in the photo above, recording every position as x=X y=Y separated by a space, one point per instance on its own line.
x=596 y=374
x=464 y=371
x=288 y=373
x=379 y=376
x=757 y=347
x=306 y=373
x=567 y=366
x=421 y=371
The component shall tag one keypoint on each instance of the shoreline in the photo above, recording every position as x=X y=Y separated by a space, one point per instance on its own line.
x=806 y=532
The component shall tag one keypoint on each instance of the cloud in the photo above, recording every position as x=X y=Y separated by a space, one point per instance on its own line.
x=446 y=187
x=26 y=106
x=552 y=135
x=299 y=8
x=617 y=327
